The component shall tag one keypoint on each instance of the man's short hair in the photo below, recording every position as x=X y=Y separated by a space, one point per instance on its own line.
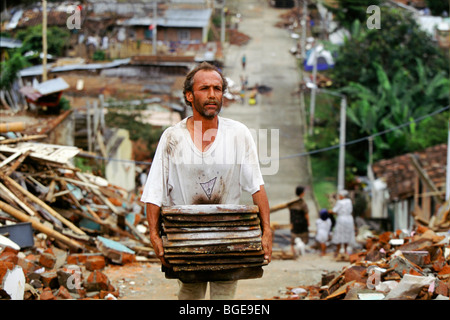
x=299 y=190
x=189 y=81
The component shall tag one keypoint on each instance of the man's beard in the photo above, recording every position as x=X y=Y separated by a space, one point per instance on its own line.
x=202 y=110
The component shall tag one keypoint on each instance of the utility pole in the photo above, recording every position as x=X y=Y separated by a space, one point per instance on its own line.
x=341 y=170
x=44 y=40
x=303 y=56
x=342 y=136
x=154 y=31
x=303 y=24
x=222 y=24
x=312 y=104
x=447 y=185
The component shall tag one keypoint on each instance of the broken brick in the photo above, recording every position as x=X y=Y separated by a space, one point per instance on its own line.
x=95 y=263
x=441 y=288
x=385 y=237
x=47 y=294
x=28 y=266
x=445 y=270
x=9 y=254
x=97 y=281
x=356 y=273
x=47 y=260
x=50 y=279
x=63 y=293
x=4 y=267
x=70 y=277
x=419 y=258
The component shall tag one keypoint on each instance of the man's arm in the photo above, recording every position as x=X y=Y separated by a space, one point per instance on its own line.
x=153 y=216
x=260 y=199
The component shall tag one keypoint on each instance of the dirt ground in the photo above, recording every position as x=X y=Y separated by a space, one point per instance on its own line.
x=145 y=281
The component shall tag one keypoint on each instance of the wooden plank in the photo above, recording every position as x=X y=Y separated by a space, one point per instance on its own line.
x=423 y=175
x=214 y=249
x=225 y=275
x=205 y=236
x=17 y=200
x=211 y=218
x=216 y=267
x=218 y=255
x=214 y=209
x=35 y=199
x=205 y=229
x=199 y=224
x=17 y=163
x=213 y=261
x=39 y=226
x=168 y=243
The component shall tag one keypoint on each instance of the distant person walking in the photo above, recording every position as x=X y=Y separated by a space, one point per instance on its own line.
x=344 y=230
x=244 y=61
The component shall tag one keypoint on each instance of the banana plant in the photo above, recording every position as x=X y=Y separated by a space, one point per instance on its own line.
x=392 y=103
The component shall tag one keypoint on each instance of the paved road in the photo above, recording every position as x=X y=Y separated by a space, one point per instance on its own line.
x=270 y=63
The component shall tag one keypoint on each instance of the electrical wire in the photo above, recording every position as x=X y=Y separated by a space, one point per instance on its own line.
x=302 y=154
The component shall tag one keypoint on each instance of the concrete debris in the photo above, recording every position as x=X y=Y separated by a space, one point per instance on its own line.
x=61 y=227
x=417 y=268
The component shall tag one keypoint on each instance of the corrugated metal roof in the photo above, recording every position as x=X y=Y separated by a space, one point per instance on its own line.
x=196 y=18
x=37 y=70
x=189 y=18
x=10 y=43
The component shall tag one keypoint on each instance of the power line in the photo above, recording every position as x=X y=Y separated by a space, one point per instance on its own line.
x=367 y=137
x=301 y=154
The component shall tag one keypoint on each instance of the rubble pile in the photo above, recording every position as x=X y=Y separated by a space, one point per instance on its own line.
x=72 y=224
x=392 y=266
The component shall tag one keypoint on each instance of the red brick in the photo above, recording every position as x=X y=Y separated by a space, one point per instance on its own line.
x=76 y=258
x=445 y=270
x=357 y=273
x=95 y=263
x=385 y=237
x=28 y=266
x=50 y=279
x=97 y=281
x=9 y=254
x=47 y=294
x=47 y=260
x=128 y=257
x=442 y=288
x=4 y=267
x=63 y=293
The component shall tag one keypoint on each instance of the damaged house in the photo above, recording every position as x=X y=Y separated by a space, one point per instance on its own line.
x=415 y=183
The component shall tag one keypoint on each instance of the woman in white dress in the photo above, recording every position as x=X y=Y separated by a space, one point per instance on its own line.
x=344 y=230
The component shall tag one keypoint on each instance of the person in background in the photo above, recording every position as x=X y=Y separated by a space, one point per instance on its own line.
x=344 y=230
x=299 y=218
x=323 y=228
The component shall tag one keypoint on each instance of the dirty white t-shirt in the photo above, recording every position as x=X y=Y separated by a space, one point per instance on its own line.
x=181 y=174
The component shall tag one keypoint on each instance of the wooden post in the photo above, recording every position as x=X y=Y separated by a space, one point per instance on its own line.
x=50 y=210
x=44 y=40
x=39 y=226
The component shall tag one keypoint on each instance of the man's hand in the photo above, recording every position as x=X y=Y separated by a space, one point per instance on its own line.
x=266 y=241
x=260 y=199
x=153 y=215
x=158 y=248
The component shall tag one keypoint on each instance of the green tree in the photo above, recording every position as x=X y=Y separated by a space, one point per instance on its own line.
x=346 y=12
x=31 y=38
x=10 y=69
x=397 y=45
x=408 y=95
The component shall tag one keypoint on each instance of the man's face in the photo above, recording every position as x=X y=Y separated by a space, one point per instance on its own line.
x=206 y=95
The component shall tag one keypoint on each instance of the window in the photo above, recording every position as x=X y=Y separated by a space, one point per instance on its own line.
x=184 y=34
